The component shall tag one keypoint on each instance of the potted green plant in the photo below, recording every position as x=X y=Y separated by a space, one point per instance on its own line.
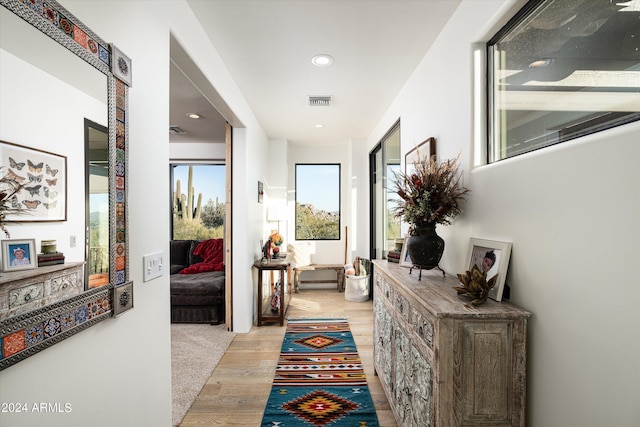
x=430 y=193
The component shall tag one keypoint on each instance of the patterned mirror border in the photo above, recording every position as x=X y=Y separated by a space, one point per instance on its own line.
x=29 y=333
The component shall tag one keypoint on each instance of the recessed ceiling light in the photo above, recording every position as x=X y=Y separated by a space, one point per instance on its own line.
x=322 y=60
x=194 y=116
x=319 y=126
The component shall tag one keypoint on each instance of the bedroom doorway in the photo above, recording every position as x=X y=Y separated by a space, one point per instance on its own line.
x=201 y=128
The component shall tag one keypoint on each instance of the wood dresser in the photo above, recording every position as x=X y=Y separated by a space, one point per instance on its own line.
x=441 y=361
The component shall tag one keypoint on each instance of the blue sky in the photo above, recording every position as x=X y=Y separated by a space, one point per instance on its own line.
x=207 y=179
x=318 y=185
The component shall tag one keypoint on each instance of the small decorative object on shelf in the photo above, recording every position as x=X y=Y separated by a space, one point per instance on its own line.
x=266 y=251
x=276 y=241
x=275 y=298
x=51 y=258
x=48 y=246
x=475 y=285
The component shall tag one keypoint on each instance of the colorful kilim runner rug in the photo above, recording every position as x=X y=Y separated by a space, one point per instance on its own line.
x=319 y=379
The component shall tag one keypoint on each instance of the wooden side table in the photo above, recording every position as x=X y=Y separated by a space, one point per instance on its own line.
x=265 y=312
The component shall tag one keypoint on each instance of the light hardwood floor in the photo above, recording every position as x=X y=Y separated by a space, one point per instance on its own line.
x=237 y=391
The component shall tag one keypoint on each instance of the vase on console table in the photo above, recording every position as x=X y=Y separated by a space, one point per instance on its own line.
x=425 y=247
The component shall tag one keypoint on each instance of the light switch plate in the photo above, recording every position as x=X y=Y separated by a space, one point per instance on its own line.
x=152 y=266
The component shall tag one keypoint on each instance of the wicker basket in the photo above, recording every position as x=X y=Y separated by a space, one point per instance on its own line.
x=356 y=288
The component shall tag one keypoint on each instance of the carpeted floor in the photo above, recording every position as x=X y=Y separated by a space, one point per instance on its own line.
x=195 y=351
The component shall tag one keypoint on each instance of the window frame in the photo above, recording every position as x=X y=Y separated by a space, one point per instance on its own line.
x=339 y=196
x=589 y=122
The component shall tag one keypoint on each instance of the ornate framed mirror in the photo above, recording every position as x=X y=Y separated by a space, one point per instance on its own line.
x=45 y=305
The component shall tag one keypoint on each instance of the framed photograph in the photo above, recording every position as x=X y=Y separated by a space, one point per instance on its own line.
x=426 y=148
x=43 y=176
x=122 y=298
x=19 y=254
x=492 y=257
x=405 y=259
x=120 y=65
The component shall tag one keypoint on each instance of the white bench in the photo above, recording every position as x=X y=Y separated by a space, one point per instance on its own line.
x=338 y=268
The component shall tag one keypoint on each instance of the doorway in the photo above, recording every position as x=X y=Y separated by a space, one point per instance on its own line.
x=384 y=159
x=201 y=133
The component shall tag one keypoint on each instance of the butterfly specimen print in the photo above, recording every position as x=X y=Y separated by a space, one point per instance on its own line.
x=17 y=178
x=15 y=204
x=15 y=164
x=52 y=182
x=33 y=190
x=34 y=178
x=49 y=193
x=50 y=205
x=50 y=171
x=35 y=168
x=31 y=204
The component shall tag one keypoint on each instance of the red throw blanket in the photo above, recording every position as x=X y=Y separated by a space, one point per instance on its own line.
x=211 y=252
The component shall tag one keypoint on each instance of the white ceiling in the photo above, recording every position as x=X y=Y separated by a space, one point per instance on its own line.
x=267 y=46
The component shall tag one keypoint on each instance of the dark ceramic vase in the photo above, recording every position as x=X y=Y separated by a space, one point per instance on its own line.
x=425 y=248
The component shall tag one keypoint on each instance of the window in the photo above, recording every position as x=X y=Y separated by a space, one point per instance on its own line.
x=198 y=201
x=317 y=202
x=560 y=70
x=97 y=210
x=384 y=160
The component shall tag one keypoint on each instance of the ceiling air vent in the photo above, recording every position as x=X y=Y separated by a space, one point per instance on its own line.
x=176 y=130
x=319 y=101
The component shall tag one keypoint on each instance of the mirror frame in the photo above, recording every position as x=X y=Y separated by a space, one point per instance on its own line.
x=100 y=303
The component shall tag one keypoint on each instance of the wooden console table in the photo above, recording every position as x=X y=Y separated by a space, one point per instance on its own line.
x=265 y=313
x=443 y=362
x=25 y=290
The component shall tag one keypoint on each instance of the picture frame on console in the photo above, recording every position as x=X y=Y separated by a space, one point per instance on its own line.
x=19 y=254
x=493 y=257
x=405 y=259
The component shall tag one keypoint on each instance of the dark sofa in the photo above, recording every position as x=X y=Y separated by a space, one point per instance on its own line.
x=198 y=297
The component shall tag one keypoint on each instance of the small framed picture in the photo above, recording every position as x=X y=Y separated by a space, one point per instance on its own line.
x=43 y=176
x=19 y=254
x=425 y=150
x=122 y=298
x=493 y=258
x=405 y=259
x=120 y=65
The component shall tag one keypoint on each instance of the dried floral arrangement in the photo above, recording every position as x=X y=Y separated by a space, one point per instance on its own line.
x=9 y=187
x=430 y=194
x=475 y=285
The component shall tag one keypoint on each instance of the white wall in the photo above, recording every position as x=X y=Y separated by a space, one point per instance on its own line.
x=572 y=212
x=197 y=150
x=118 y=372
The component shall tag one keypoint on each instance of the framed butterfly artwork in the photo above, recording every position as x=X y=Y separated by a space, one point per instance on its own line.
x=42 y=177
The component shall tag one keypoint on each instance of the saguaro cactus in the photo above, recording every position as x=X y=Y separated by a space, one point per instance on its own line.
x=183 y=204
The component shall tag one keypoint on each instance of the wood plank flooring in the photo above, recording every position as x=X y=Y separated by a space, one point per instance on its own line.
x=237 y=391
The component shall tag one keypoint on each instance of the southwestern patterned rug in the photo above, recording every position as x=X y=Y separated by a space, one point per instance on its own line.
x=319 y=379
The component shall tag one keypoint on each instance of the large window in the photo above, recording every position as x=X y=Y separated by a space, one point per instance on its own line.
x=317 y=202
x=561 y=69
x=198 y=201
